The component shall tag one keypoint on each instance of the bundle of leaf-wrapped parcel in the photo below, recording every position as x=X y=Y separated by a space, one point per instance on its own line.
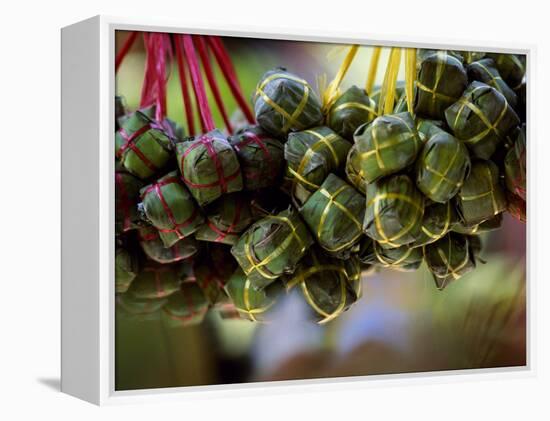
x=311 y=156
x=272 y=247
x=352 y=109
x=154 y=248
x=261 y=157
x=209 y=167
x=334 y=214
x=285 y=103
x=330 y=286
x=169 y=207
x=187 y=306
x=387 y=145
x=126 y=269
x=485 y=71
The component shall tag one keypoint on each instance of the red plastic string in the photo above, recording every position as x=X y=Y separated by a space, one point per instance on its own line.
x=189 y=115
x=206 y=65
x=125 y=49
x=224 y=61
x=197 y=83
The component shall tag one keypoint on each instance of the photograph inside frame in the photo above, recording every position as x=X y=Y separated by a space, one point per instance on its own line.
x=291 y=210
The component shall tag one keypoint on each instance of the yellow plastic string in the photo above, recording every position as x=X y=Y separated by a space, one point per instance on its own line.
x=410 y=76
x=373 y=69
x=387 y=93
x=330 y=94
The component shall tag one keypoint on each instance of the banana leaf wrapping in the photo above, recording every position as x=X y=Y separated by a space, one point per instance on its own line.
x=251 y=303
x=426 y=128
x=491 y=224
x=127 y=187
x=209 y=167
x=155 y=281
x=334 y=214
x=352 y=109
x=261 y=158
x=170 y=208
x=516 y=207
x=226 y=218
x=441 y=81
x=285 y=103
x=354 y=173
x=403 y=258
x=450 y=258
x=485 y=71
x=387 y=145
x=329 y=286
x=515 y=166
x=154 y=248
x=126 y=269
x=212 y=270
x=311 y=156
x=272 y=247
x=442 y=166
x=185 y=307
x=142 y=145
x=438 y=220
x=395 y=210
x=481 y=118
x=139 y=308
x=511 y=67
x=481 y=196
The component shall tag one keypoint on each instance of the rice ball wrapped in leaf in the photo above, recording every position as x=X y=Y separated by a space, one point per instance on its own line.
x=438 y=220
x=485 y=71
x=511 y=67
x=212 y=270
x=352 y=109
x=395 y=210
x=354 y=172
x=481 y=118
x=450 y=258
x=154 y=248
x=403 y=258
x=481 y=196
x=251 y=303
x=272 y=247
x=516 y=207
x=387 y=145
x=491 y=224
x=155 y=281
x=329 y=286
x=311 y=156
x=515 y=166
x=285 y=103
x=126 y=269
x=442 y=166
x=334 y=214
x=169 y=207
x=441 y=81
x=139 y=308
x=127 y=187
x=142 y=145
x=185 y=307
x=209 y=167
x=261 y=157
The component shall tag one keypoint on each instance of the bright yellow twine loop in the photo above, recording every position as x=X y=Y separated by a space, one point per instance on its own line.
x=373 y=69
x=410 y=76
x=332 y=91
x=387 y=93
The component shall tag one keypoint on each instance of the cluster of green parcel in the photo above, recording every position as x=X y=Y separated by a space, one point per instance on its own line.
x=308 y=200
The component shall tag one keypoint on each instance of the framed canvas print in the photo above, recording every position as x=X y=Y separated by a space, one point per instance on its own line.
x=248 y=210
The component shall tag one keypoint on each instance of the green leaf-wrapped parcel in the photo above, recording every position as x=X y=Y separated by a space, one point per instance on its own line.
x=481 y=196
x=488 y=225
x=515 y=166
x=311 y=156
x=511 y=67
x=185 y=307
x=126 y=269
x=481 y=118
x=387 y=145
x=142 y=145
x=155 y=281
x=261 y=157
x=154 y=248
x=354 y=172
x=485 y=71
x=127 y=187
x=403 y=258
x=334 y=214
x=441 y=81
x=169 y=207
x=285 y=103
x=209 y=167
x=441 y=167
x=329 y=286
x=450 y=258
x=252 y=304
x=438 y=220
x=395 y=209
x=272 y=247
x=352 y=109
